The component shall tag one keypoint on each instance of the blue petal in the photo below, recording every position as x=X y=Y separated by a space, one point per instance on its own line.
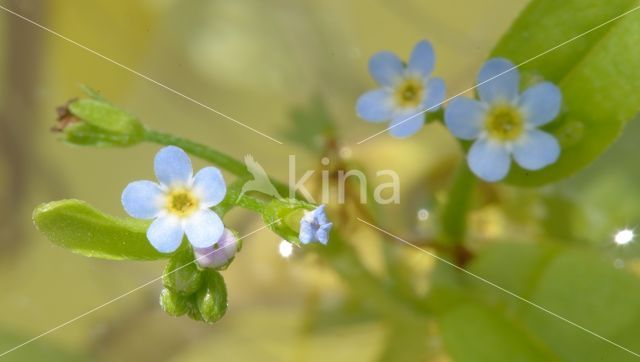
x=465 y=117
x=306 y=234
x=536 y=149
x=434 y=94
x=490 y=161
x=320 y=215
x=142 y=199
x=203 y=228
x=406 y=124
x=165 y=234
x=541 y=103
x=209 y=185
x=173 y=166
x=422 y=59
x=375 y=105
x=386 y=68
x=322 y=235
x=498 y=81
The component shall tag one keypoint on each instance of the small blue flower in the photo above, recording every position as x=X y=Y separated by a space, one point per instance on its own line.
x=406 y=90
x=315 y=226
x=220 y=253
x=505 y=123
x=179 y=204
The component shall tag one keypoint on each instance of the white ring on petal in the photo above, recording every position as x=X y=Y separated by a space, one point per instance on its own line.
x=489 y=160
x=173 y=166
x=465 y=117
x=541 y=103
x=165 y=233
x=386 y=68
x=423 y=59
x=406 y=124
x=536 y=149
x=498 y=81
x=203 y=228
x=209 y=186
x=375 y=105
x=142 y=199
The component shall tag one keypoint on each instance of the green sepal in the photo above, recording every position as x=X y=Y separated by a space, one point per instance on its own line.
x=173 y=303
x=99 y=123
x=75 y=225
x=181 y=274
x=212 y=298
x=283 y=217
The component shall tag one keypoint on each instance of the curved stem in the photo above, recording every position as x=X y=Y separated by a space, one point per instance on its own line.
x=218 y=158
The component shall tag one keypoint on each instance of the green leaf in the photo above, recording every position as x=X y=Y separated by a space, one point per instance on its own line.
x=578 y=285
x=599 y=74
x=475 y=333
x=75 y=225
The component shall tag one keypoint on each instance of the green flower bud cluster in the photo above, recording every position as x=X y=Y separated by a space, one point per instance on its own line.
x=199 y=293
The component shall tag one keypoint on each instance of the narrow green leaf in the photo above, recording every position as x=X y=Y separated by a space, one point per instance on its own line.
x=599 y=74
x=75 y=225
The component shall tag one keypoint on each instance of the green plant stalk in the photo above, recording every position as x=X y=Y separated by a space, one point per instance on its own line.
x=206 y=153
x=454 y=214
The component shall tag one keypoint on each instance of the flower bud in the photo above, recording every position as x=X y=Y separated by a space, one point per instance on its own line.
x=181 y=274
x=283 y=217
x=212 y=298
x=220 y=254
x=173 y=303
x=94 y=122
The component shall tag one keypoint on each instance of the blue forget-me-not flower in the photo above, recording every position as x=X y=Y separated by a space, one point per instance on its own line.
x=504 y=122
x=179 y=203
x=406 y=91
x=315 y=226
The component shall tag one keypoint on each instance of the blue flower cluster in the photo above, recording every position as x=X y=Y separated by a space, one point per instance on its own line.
x=503 y=123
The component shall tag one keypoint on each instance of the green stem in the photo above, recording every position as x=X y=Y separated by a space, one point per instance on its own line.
x=209 y=154
x=454 y=214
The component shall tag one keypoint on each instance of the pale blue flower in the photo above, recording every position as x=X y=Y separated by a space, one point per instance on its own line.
x=179 y=204
x=220 y=253
x=504 y=122
x=406 y=91
x=315 y=226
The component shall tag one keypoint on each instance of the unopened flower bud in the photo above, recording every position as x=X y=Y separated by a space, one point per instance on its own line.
x=220 y=254
x=212 y=298
x=94 y=122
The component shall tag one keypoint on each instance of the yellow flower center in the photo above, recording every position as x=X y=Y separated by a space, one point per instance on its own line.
x=182 y=202
x=409 y=93
x=504 y=123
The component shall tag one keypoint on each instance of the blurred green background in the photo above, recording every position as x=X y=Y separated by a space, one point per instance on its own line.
x=255 y=61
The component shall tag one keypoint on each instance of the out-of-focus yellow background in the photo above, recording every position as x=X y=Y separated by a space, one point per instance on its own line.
x=250 y=59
